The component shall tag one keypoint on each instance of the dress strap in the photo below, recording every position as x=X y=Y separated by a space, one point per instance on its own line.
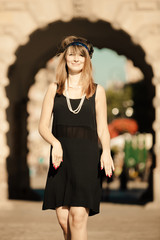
x=94 y=95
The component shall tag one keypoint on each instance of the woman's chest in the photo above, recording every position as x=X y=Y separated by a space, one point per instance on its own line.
x=62 y=112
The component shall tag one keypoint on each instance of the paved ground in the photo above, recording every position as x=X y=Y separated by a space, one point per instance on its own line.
x=22 y=220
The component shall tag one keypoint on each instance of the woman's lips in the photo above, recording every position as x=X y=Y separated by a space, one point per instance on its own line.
x=77 y=64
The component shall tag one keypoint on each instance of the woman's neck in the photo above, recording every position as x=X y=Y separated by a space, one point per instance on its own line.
x=74 y=79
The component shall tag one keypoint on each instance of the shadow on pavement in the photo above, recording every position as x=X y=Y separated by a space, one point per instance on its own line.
x=129 y=196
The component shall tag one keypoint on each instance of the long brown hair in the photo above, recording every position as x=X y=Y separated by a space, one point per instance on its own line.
x=86 y=74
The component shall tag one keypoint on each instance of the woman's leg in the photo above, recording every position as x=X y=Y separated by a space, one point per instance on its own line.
x=62 y=215
x=78 y=217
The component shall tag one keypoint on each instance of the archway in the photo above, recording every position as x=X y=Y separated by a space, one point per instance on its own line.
x=41 y=47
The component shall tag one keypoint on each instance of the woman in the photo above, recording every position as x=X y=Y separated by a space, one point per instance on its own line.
x=79 y=110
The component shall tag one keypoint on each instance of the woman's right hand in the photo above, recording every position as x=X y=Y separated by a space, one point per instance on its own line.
x=57 y=154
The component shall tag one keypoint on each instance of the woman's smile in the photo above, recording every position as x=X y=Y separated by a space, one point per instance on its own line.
x=74 y=63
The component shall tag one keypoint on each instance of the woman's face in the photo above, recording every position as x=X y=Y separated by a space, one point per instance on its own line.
x=75 y=61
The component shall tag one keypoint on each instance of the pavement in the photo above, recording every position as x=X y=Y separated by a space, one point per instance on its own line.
x=24 y=220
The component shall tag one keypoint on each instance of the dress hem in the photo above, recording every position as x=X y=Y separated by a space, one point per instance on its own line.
x=92 y=212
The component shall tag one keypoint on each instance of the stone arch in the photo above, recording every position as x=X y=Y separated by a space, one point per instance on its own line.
x=42 y=45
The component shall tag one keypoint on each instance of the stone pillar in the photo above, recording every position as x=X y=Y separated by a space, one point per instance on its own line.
x=156 y=127
x=4 y=149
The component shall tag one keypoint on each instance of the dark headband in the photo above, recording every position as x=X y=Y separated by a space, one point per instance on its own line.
x=78 y=44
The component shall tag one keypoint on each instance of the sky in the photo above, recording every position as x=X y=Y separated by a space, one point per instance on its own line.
x=108 y=66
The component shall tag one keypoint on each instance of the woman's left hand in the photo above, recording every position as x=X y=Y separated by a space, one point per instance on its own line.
x=107 y=163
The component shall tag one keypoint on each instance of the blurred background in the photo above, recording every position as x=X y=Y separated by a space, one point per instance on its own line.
x=126 y=36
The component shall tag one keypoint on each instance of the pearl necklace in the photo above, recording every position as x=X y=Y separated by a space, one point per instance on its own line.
x=69 y=103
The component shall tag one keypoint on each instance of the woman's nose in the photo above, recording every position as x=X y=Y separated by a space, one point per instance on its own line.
x=76 y=58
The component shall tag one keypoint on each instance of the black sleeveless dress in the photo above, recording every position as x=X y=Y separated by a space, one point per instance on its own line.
x=77 y=182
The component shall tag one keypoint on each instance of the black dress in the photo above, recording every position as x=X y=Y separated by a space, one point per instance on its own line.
x=77 y=182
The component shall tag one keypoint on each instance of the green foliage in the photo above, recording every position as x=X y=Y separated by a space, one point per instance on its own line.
x=120 y=98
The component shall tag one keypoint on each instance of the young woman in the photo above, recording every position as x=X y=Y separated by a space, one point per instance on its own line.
x=78 y=105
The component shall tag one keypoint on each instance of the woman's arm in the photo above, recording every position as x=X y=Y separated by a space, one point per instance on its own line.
x=44 y=124
x=102 y=130
x=46 y=114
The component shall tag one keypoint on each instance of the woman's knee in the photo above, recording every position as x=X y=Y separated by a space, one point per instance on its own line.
x=63 y=223
x=78 y=216
x=62 y=215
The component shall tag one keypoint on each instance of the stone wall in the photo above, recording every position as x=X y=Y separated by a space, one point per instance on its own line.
x=140 y=19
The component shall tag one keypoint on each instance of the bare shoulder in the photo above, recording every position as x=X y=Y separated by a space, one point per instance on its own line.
x=52 y=88
x=100 y=93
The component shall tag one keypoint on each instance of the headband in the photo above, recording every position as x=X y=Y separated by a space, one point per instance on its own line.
x=78 y=44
